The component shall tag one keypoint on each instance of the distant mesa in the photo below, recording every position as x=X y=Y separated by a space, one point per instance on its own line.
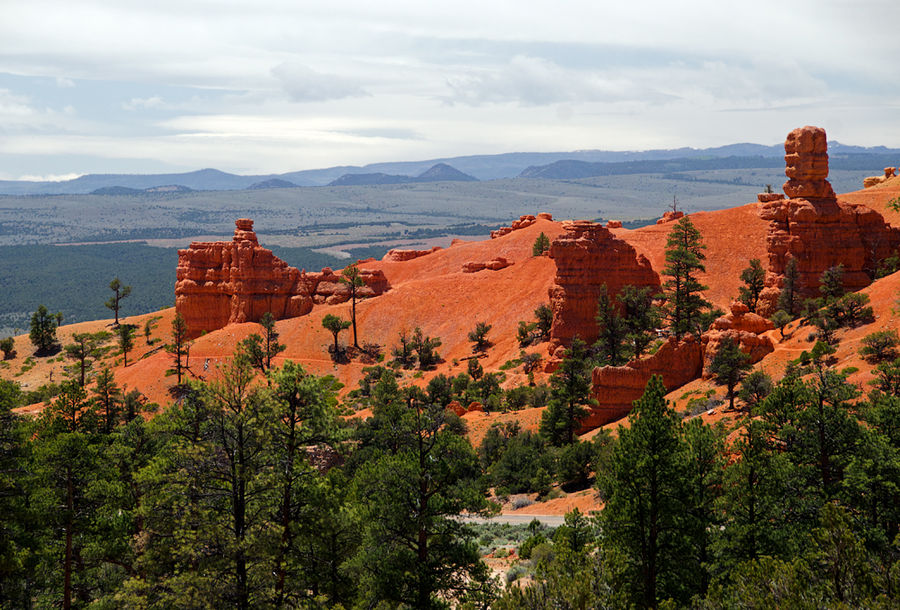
x=124 y=190
x=370 y=179
x=272 y=183
x=117 y=190
x=437 y=173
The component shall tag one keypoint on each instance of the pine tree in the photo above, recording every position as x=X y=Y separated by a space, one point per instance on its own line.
x=645 y=492
x=335 y=325
x=125 y=334
x=43 y=330
x=729 y=365
x=179 y=346
x=541 y=245
x=640 y=315
x=119 y=292
x=352 y=278
x=789 y=299
x=754 y=278
x=569 y=397
x=612 y=328
x=683 y=302
x=478 y=336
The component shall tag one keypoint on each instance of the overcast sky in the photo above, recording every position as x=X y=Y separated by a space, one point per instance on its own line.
x=279 y=85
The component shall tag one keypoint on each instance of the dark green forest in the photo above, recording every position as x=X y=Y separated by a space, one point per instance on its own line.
x=252 y=494
x=74 y=280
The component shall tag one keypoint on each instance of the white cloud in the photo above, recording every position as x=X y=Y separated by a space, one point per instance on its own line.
x=303 y=84
x=137 y=103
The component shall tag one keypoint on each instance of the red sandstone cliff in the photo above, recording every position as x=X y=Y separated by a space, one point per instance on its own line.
x=588 y=256
x=221 y=283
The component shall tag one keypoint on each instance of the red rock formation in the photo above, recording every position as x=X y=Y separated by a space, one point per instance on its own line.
x=494 y=264
x=744 y=328
x=669 y=217
x=327 y=287
x=816 y=228
x=545 y=216
x=587 y=257
x=615 y=388
x=613 y=224
x=218 y=283
x=524 y=221
x=876 y=180
x=407 y=255
x=806 y=164
x=767 y=197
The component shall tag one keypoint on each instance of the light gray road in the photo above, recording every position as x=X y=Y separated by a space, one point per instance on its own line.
x=517 y=519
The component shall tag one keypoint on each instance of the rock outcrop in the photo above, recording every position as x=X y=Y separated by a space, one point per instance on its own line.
x=816 y=228
x=613 y=224
x=327 y=287
x=615 y=388
x=669 y=217
x=495 y=264
x=218 y=283
x=587 y=257
x=524 y=221
x=221 y=283
x=742 y=327
x=889 y=172
x=407 y=255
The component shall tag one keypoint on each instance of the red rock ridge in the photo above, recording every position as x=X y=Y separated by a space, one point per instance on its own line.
x=816 y=228
x=588 y=256
x=524 y=221
x=221 y=283
x=615 y=388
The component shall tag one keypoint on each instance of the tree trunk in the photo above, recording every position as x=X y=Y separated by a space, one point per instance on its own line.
x=70 y=525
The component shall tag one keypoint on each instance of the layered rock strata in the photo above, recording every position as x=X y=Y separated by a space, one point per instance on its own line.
x=817 y=229
x=588 y=256
x=615 y=388
x=221 y=283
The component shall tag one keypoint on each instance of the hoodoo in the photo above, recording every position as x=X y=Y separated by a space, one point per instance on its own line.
x=588 y=256
x=817 y=229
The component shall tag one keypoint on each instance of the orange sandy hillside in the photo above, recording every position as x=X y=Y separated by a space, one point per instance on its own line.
x=51 y=369
x=732 y=237
x=431 y=292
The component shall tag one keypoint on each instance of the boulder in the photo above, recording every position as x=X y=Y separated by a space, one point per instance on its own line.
x=588 y=256
x=767 y=197
x=494 y=264
x=613 y=224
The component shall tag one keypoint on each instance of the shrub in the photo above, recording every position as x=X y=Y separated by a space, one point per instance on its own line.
x=880 y=346
x=8 y=347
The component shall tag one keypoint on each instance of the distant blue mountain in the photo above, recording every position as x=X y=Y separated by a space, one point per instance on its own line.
x=479 y=167
x=441 y=172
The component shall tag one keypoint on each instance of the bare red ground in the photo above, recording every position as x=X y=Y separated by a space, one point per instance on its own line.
x=433 y=293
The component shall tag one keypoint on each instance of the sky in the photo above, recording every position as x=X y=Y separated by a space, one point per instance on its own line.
x=271 y=86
